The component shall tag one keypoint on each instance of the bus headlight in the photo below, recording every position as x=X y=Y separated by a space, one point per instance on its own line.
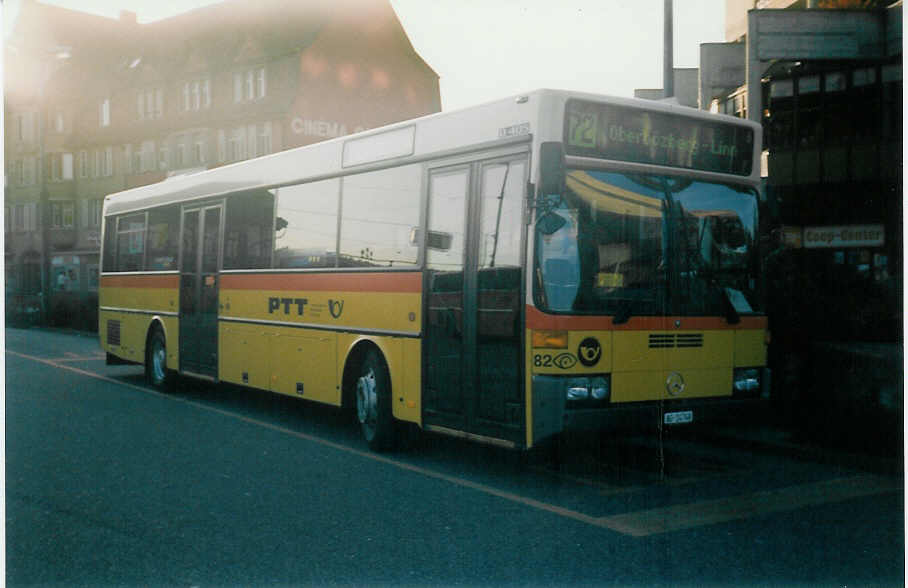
x=578 y=389
x=747 y=381
x=583 y=390
x=599 y=388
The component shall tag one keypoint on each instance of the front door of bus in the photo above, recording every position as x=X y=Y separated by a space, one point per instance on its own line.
x=200 y=261
x=472 y=350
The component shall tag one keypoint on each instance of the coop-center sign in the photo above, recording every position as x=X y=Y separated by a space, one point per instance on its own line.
x=844 y=236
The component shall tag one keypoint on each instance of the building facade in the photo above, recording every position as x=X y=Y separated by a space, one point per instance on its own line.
x=824 y=77
x=96 y=105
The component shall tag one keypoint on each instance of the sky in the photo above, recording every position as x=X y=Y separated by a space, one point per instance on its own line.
x=485 y=49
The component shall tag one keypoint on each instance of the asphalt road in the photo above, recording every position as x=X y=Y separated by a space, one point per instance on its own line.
x=111 y=483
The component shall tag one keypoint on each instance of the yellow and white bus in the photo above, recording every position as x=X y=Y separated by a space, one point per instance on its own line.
x=547 y=263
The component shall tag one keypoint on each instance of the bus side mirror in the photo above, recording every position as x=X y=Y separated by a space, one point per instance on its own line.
x=551 y=168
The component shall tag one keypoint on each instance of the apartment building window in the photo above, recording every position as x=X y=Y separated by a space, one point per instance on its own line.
x=163 y=157
x=24 y=217
x=62 y=215
x=90 y=213
x=150 y=104
x=179 y=156
x=103 y=163
x=57 y=121
x=104 y=113
x=236 y=145
x=222 y=146
x=29 y=171
x=251 y=142
x=250 y=84
x=148 y=156
x=25 y=126
x=198 y=148
x=197 y=94
x=107 y=168
x=59 y=166
x=83 y=164
x=16 y=172
x=263 y=146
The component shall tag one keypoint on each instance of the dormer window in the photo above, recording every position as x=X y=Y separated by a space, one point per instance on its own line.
x=150 y=104
x=197 y=94
x=249 y=85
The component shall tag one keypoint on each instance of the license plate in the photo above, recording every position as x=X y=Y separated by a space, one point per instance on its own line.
x=678 y=418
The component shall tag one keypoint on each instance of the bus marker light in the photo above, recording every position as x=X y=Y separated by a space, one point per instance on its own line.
x=550 y=339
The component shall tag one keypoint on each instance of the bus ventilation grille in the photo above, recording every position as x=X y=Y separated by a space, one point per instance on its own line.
x=113 y=332
x=671 y=340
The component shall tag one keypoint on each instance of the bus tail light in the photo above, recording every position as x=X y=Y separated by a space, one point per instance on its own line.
x=550 y=339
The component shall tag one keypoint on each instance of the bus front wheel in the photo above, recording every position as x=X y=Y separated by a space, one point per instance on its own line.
x=373 y=402
x=156 y=372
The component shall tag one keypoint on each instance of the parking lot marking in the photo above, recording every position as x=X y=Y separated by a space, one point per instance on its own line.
x=636 y=524
x=756 y=504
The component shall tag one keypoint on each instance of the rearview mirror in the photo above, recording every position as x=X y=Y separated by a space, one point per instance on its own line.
x=551 y=168
x=550 y=223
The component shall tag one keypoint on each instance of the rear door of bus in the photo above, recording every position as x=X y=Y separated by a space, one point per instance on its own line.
x=199 y=282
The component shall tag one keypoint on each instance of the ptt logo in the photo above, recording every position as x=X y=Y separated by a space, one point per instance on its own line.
x=275 y=304
x=336 y=307
x=589 y=352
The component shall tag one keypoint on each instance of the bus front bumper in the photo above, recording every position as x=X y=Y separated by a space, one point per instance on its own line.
x=553 y=416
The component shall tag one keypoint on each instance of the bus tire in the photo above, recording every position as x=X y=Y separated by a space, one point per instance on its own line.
x=156 y=372
x=373 y=402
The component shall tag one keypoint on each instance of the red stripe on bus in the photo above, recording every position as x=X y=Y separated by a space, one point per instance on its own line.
x=139 y=281
x=410 y=282
x=536 y=319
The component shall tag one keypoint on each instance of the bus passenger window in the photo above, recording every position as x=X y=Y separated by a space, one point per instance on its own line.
x=305 y=227
x=131 y=243
x=109 y=263
x=380 y=211
x=163 y=233
x=249 y=230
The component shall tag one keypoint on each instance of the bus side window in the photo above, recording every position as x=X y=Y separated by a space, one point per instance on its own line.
x=305 y=227
x=163 y=238
x=380 y=212
x=109 y=263
x=131 y=243
x=249 y=230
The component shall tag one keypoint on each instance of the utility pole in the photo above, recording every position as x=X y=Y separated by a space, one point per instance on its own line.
x=668 y=62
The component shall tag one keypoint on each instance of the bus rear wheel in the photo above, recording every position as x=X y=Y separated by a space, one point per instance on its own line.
x=156 y=372
x=373 y=402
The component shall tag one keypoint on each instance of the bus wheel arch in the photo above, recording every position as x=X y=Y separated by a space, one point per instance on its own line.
x=367 y=391
x=156 y=372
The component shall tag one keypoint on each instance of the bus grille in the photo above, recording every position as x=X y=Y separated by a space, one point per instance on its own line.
x=113 y=332
x=671 y=340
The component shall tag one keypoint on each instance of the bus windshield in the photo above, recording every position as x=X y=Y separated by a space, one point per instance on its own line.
x=629 y=244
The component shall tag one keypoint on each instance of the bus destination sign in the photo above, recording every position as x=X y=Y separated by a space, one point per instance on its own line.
x=631 y=134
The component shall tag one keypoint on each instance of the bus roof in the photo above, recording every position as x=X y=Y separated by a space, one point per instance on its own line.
x=515 y=118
